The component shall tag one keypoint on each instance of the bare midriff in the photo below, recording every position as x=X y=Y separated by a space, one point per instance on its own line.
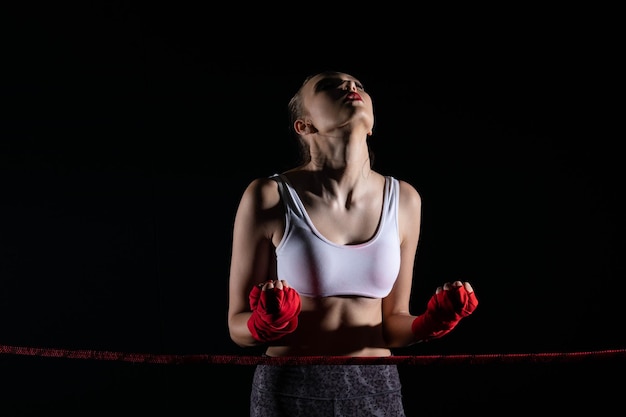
x=335 y=326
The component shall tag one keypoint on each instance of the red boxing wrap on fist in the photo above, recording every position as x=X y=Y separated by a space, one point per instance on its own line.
x=274 y=312
x=443 y=313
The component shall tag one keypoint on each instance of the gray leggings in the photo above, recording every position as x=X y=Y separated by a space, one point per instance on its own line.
x=326 y=390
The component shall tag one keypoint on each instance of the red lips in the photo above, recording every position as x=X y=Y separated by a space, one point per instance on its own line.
x=354 y=96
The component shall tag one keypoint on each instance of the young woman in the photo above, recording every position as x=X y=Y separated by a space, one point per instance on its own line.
x=322 y=264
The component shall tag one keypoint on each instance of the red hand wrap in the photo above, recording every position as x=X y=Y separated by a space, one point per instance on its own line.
x=443 y=313
x=274 y=313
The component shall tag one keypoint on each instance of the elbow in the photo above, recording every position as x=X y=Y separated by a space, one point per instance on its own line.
x=397 y=342
x=242 y=342
x=240 y=335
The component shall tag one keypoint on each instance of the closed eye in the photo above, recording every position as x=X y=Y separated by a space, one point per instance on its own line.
x=329 y=83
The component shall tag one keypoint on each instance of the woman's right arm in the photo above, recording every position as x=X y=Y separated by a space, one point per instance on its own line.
x=259 y=216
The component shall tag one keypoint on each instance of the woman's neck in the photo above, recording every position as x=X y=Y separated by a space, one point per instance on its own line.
x=341 y=156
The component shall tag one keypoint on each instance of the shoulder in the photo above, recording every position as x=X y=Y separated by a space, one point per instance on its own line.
x=261 y=193
x=409 y=213
x=409 y=197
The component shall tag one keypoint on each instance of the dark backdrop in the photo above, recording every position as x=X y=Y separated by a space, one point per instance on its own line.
x=130 y=132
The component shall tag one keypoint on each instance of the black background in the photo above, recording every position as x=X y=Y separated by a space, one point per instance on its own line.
x=130 y=130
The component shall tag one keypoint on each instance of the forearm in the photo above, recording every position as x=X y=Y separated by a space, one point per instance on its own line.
x=445 y=309
x=397 y=330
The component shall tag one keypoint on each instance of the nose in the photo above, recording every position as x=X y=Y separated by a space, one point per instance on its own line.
x=349 y=85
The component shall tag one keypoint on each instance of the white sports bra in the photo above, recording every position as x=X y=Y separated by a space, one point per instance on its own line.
x=317 y=267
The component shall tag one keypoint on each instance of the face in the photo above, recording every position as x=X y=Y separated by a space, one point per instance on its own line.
x=336 y=100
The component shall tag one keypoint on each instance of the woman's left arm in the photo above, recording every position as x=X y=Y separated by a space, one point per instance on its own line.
x=397 y=319
x=450 y=303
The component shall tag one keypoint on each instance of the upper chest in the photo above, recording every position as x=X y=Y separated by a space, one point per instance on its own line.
x=345 y=222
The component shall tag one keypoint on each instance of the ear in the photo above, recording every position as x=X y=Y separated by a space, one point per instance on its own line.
x=303 y=127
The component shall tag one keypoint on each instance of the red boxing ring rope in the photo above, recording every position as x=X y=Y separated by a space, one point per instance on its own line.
x=308 y=360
